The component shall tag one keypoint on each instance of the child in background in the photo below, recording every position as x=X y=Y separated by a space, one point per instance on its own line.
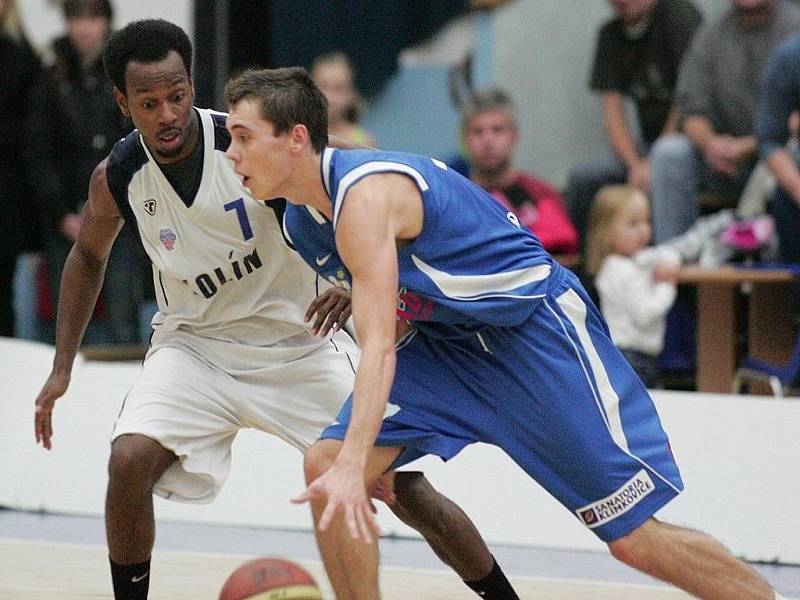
x=636 y=284
x=333 y=73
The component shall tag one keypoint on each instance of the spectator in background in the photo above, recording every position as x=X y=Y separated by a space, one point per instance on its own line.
x=636 y=284
x=490 y=135
x=18 y=218
x=718 y=91
x=637 y=57
x=780 y=98
x=74 y=122
x=334 y=75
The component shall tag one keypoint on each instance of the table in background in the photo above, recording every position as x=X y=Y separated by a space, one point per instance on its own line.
x=740 y=310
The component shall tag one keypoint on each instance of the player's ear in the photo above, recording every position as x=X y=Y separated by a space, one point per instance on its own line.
x=122 y=102
x=299 y=136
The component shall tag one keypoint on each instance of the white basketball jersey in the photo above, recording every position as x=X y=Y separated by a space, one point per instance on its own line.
x=221 y=266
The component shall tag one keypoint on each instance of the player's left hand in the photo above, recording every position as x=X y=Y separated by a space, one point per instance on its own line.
x=332 y=308
x=343 y=486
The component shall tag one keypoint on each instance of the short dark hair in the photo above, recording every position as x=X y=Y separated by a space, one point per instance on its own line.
x=485 y=100
x=288 y=97
x=145 y=41
x=88 y=8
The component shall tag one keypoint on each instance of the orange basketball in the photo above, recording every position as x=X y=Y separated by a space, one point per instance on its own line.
x=270 y=579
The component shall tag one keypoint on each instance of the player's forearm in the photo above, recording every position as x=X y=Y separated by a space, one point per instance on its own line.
x=81 y=281
x=371 y=391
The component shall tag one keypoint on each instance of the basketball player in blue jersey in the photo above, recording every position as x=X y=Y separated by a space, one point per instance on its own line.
x=469 y=332
x=230 y=347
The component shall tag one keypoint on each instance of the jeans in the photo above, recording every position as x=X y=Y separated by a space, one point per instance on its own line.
x=786 y=213
x=677 y=171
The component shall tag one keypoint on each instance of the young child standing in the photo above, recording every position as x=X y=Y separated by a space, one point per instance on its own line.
x=636 y=283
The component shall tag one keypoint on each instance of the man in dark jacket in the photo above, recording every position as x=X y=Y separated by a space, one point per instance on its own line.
x=74 y=124
x=18 y=221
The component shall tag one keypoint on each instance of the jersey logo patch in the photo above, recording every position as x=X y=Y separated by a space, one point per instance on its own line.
x=321 y=261
x=618 y=503
x=150 y=206
x=167 y=237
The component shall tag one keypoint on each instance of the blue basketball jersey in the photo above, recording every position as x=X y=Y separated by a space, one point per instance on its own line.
x=506 y=349
x=471 y=265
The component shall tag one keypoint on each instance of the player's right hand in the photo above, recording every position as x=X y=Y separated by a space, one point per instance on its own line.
x=53 y=389
x=332 y=309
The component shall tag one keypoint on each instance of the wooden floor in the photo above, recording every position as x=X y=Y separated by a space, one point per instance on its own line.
x=32 y=570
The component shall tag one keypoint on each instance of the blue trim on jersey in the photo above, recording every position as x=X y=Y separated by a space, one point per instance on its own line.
x=222 y=137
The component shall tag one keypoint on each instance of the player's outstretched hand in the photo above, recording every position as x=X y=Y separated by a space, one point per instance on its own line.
x=53 y=389
x=332 y=308
x=343 y=486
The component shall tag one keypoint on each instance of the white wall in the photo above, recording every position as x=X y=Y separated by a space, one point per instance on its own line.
x=738 y=457
x=43 y=19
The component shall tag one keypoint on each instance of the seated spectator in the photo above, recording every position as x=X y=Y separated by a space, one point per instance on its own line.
x=636 y=285
x=18 y=218
x=333 y=73
x=637 y=57
x=717 y=96
x=74 y=122
x=780 y=97
x=490 y=135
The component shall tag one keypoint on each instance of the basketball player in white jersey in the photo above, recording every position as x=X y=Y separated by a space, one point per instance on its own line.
x=231 y=347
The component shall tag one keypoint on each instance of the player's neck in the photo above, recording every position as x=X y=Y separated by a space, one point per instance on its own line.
x=307 y=187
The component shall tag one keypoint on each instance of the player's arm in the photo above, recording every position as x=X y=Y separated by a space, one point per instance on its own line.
x=81 y=281
x=366 y=242
x=374 y=215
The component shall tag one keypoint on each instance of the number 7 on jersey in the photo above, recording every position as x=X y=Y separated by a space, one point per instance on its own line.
x=241 y=214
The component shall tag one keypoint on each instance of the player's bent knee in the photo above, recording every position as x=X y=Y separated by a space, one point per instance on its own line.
x=319 y=457
x=634 y=548
x=411 y=489
x=136 y=463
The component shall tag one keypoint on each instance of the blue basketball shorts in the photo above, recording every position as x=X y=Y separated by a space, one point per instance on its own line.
x=555 y=394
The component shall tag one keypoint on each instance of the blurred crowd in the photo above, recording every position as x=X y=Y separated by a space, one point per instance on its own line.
x=703 y=170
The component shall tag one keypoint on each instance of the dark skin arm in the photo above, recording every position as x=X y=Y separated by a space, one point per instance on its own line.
x=81 y=281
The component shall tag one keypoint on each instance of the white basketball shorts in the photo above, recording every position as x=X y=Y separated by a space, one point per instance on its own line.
x=194 y=394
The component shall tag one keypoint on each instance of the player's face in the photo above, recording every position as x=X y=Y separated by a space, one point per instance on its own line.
x=490 y=139
x=631 y=229
x=260 y=157
x=159 y=99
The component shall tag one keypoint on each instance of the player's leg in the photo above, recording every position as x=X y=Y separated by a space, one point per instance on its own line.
x=611 y=463
x=176 y=408
x=450 y=533
x=690 y=560
x=136 y=463
x=352 y=565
